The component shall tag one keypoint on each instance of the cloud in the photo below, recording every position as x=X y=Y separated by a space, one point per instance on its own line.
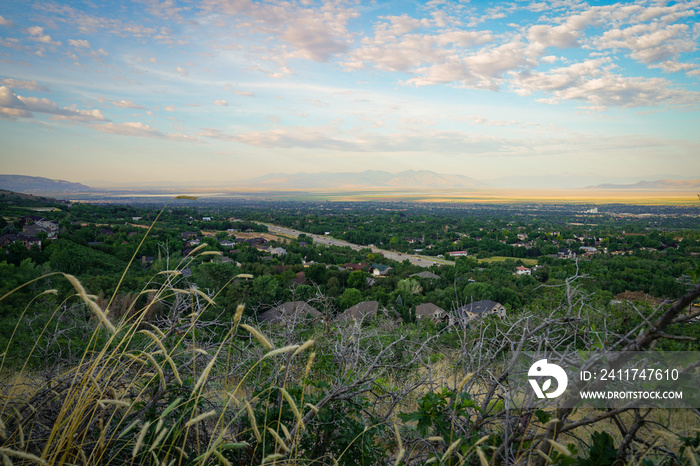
x=80 y=43
x=652 y=44
x=333 y=138
x=181 y=71
x=127 y=104
x=222 y=103
x=37 y=34
x=244 y=93
x=5 y=22
x=140 y=130
x=13 y=106
x=312 y=32
x=89 y=24
x=594 y=83
x=26 y=85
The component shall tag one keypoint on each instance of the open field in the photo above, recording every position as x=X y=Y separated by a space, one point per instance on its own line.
x=527 y=262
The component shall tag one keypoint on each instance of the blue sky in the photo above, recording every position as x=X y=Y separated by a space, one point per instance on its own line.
x=525 y=93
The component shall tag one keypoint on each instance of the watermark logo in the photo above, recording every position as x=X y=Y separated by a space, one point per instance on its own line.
x=541 y=369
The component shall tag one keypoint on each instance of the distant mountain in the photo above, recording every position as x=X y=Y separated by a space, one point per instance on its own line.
x=370 y=179
x=41 y=186
x=658 y=184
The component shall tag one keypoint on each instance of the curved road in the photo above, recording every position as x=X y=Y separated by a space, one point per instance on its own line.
x=423 y=261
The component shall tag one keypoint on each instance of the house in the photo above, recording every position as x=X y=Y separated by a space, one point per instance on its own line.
x=380 y=270
x=426 y=274
x=35 y=229
x=278 y=251
x=188 y=234
x=350 y=266
x=432 y=312
x=520 y=270
x=29 y=219
x=206 y=219
x=291 y=311
x=566 y=254
x=300 y=279
x=227 y=243
x=107 y=231
x=7 y=239
x=193 y=242
x=48 y=224
x=457 y=253
x=29 y=241
x=359 y=312
x=480 y=309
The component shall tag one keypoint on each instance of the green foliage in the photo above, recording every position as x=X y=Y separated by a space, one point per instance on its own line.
x=601 y=452
x=349 y=298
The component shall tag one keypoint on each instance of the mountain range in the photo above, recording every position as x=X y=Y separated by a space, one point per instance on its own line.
x=658 y=184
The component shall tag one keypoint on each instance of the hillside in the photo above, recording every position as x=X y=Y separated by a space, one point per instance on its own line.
x=41 y=186
x=25 y=200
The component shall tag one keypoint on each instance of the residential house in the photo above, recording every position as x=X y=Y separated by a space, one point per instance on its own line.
x=566 y=254
x=227 y=243
x=360 y=312
x=278 y=251
x=350 y=266
x=480 y=309
x=300 y=279
x=520 y=270
x=426 y=275
x=7 y=239
x=29 y=241
x=380 y=270
x=289 y=312
x=432 y=312
x=457 y=253
x=30 y=219
x=49 y=226
x=34 y=230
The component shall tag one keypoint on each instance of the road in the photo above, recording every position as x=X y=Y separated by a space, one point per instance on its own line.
x=416 y=259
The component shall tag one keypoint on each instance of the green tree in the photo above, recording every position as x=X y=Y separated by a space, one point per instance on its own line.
x=349 y=298
x=357 y=279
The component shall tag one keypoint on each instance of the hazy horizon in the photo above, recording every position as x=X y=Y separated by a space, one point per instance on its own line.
x=547 y=94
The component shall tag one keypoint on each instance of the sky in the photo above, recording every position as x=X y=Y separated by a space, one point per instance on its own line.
x=529 y=93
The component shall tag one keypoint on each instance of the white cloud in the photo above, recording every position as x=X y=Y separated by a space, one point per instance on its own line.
x=593 y=83
x=141 y=130
x=127 y=104
x=12 y=105
x=5 y=22
x=37 y=34
x=222 y=103
x=652 y=44
x=27 y=85
x=80 y=43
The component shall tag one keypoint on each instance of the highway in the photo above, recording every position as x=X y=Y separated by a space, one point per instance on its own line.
x=416 y=259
